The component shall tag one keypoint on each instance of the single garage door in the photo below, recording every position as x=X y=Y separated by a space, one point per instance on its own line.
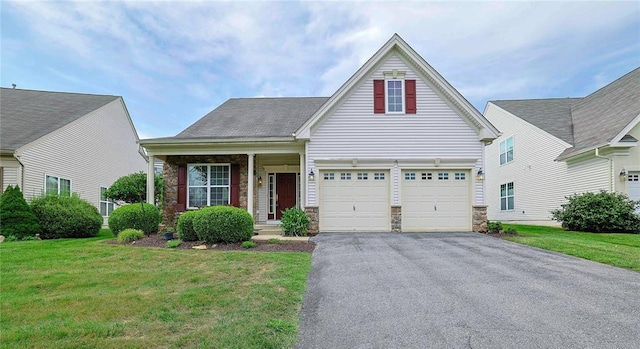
x=354 y=200
x=436 y=200
x=633 y=186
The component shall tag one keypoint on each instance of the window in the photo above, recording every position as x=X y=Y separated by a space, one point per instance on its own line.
x=345 y=176
x=460 y=176
x=443 y=176
x=208 y=185
x=394 y=96
x=272 y=185
x=633 y=178
x=410 y=176
x=427 y=176
x=106 y=205
x=362 y=176
x=378 y=176
x=506 y=151
x=57 y=186
x=506 y=197
x=329 y=176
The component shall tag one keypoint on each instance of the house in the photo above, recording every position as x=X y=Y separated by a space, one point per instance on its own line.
x=61 y=143
x=555 y=147
x=395 y=148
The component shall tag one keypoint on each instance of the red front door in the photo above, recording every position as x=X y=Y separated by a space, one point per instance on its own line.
x=285 y=192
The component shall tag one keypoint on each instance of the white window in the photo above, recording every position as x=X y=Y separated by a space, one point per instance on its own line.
x=329 y=176
x=106 y=204
x=460 y=176
x=427 y=176
x=443 y=176
x=346 y=176
x=57 y=186
x=208 y=185
x=378 y=176
x=363 y=176
x=410 y=176
x=507 y=197
x=506 y=151
x=394 y=96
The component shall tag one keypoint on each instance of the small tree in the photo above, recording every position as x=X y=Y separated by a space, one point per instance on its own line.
x=132 y=188
x=601 y=212
x=16 y=217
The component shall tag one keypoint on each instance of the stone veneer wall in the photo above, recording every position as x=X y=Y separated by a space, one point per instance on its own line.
x=314 y=216
x=170 y=176
x=396 y=219
x=479 y=218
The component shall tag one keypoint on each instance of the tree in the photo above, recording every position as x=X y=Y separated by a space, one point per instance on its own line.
x=16 y=217
x=132 y=188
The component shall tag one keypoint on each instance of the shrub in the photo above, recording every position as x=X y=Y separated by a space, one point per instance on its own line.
x=511 y=231
x=130 y=235
x=185 y=226
x=16 y=217
x=494 y=227
x=294 y=222
x=223 y=224
x=66 y=217
x=248 y=244
x=145 y=217
x=133 y=188
x=601 y=212
x=173 y=243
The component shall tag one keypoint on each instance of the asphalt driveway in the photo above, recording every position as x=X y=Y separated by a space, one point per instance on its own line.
x=462 y=290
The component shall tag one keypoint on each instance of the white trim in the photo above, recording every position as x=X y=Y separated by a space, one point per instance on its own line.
x=281 y=168
x=506 y=158
x=386 y=97
x=506 y=184
x=626 y=130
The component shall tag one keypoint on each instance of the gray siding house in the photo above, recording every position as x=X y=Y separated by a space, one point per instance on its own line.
x=395 y=148
x=62 y=143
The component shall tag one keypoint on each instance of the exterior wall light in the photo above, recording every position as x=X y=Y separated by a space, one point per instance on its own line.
x=623 y=175
x=480 y=175
x=312 y=176
x=260 y=181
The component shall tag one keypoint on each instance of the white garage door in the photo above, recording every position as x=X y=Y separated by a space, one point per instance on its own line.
x=436 y=200
x=354 y=200
x=633 y=186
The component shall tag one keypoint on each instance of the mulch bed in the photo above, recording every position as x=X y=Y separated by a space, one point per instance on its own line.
x=156 y=240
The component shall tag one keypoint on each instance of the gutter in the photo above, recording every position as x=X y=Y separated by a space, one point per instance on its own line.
x=610 y=177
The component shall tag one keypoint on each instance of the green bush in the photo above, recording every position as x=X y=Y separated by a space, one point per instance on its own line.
x=248 y=244
x=130 y=235
x=185 y=226
x=132 y=188
x=135 y=216
x=173 y=243
x=226 y=224
x=494 y=227
x=601 y=212
x=511 y=231
x=294 y=222
x=16 y=217
x=66 y=217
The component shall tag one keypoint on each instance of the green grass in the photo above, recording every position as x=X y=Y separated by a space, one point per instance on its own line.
x=80 y=293
x=621 y=250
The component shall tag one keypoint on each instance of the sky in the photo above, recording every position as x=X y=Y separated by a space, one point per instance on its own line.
x=173 y=62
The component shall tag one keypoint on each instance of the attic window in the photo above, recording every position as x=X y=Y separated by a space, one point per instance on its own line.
x=394 y=94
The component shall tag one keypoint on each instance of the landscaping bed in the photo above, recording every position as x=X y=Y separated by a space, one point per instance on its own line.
x=156 y=240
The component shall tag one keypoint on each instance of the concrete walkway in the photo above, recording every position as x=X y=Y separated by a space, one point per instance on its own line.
x=462 y=290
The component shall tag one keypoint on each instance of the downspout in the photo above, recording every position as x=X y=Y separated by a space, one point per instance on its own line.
x=610 y=177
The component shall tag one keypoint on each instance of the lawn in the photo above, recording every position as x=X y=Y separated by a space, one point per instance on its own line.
x=621 y=250
x=81 y=293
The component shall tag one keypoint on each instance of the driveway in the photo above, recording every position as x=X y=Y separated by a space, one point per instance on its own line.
x=462 y=290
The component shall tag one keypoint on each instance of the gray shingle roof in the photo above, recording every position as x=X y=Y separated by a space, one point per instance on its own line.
x=254 y=118
x=26 y=115
x=552 y=115
x=586 y=122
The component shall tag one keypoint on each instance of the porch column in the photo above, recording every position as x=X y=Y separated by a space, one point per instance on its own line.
x=151 y=172
x=250 y=184
x=303 y=181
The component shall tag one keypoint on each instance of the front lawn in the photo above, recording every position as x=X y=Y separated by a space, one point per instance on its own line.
x=81 y=293
x=621 y=250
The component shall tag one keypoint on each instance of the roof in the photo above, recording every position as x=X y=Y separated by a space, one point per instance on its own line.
x=552 y=115
x=254 y=118
x=26 y=115
x=586 y=123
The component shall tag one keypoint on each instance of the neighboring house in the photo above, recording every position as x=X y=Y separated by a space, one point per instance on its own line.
x=552 y=148
x=395 y=148
x=61 y=143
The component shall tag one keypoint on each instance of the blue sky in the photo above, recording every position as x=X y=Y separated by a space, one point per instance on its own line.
x=173 y=62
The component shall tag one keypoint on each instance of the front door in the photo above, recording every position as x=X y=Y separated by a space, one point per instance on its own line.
x=285 y=192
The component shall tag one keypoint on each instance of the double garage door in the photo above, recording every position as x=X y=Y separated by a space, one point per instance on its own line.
x=359 y=200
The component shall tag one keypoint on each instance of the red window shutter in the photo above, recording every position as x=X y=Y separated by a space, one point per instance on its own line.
x=378 y=96
x=410 y=96
x=235 y=185
x=181 y=205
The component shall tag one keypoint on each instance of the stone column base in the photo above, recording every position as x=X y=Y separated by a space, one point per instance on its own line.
x=479 y=218
x=396 y=219
x=313 y=212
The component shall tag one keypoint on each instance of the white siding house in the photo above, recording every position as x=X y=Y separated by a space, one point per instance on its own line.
x=395 y=140
x=81 y=143
x=560 y=147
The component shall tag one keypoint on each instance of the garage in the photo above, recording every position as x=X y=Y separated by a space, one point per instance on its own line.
x=633 y=186
x=354 y=200
x=436 y=200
